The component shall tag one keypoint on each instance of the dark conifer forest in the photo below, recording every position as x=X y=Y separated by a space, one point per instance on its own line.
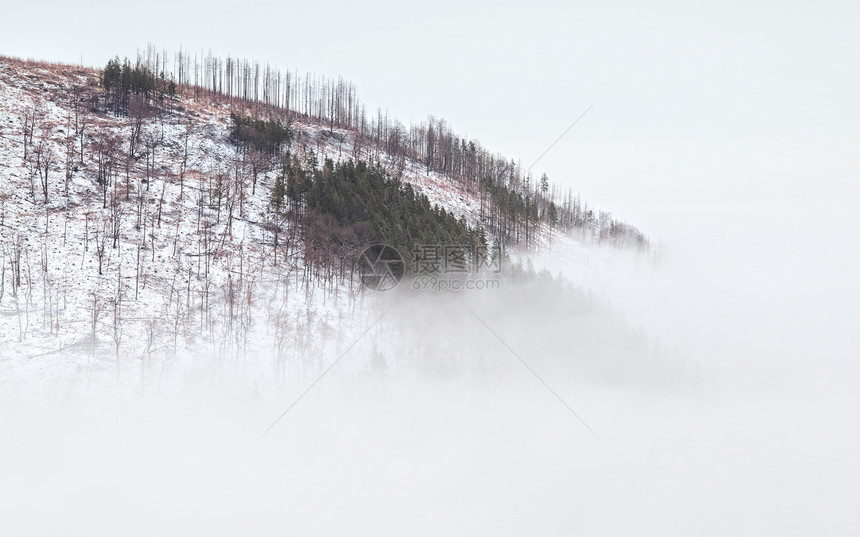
x=513 y=202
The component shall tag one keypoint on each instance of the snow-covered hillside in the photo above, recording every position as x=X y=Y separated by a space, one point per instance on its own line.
x=140 y=248
x=128 y=275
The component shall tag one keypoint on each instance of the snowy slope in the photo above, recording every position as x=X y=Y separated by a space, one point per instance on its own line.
x=150 y=279
x=156 y=294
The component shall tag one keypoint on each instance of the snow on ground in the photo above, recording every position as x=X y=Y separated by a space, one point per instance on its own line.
x=174 y=446
x=156 y=294
x=162 y=313
x=46 y=326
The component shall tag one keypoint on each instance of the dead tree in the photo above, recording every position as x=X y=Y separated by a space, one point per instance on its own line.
x=43 y=159
x=101 y=240
x=118 y=322
x=82 y=119
x=28 y=124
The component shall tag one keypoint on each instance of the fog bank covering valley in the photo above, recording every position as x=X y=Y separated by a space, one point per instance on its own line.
x=187 y=346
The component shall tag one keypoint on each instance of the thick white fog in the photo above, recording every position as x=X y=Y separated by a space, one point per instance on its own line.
x=719 y=372
x=744 y=425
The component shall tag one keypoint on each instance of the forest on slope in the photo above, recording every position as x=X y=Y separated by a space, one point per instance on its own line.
x=143 y=213
x=513 y=202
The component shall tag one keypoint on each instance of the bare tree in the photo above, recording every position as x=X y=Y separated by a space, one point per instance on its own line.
x=151 y=335
x=106 y=146
x=96 y=310
x=101 y=240
x=82 y=121
x=118 y=322
x=185 y=136
x=151 y=142
x=43 y=159
x=28 y=124
x=138 y=111
x=116 y=217
x=69 y=146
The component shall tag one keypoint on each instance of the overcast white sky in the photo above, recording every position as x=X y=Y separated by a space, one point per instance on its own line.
x=728 y=130
x=697 y=103
x=733 y=125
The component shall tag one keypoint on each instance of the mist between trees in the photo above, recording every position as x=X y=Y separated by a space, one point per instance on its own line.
x=515 y=201
x=151 y=210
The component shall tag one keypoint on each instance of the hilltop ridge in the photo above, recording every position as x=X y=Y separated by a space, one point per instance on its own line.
x=141 y=214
